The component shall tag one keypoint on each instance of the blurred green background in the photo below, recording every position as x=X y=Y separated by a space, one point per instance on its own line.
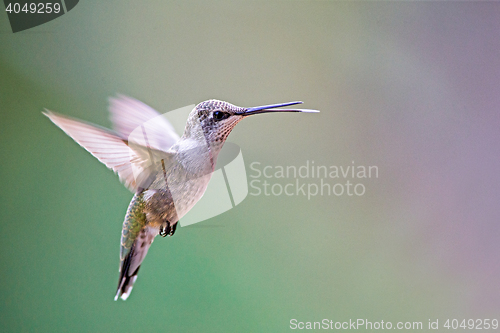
x=407 y=86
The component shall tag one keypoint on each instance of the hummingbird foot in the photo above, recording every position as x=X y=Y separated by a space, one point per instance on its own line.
x=164 y=232
x=167 y=230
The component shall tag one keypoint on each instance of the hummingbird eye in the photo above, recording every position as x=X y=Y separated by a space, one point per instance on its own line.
x=219 y=115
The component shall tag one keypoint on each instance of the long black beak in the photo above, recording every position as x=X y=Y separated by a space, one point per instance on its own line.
x=272 y=108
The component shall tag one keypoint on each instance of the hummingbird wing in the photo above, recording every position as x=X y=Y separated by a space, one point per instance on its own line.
x=135 y=164
x=129 y=114
x=136 y=239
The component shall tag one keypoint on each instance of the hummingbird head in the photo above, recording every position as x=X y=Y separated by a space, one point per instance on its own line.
x=218 y=118
x=211 y=121
x=214 y=119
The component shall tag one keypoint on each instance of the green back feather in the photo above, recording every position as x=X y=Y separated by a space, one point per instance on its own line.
x=135 y=220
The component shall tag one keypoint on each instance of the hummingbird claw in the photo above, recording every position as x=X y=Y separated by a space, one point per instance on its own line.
x=162 y=232
x=173 y=229
x=167 y=231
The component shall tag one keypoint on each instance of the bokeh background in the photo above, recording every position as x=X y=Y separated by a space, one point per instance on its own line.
x=410 y=87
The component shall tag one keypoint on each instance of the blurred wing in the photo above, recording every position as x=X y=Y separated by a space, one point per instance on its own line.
x=128 y=114
x=136 y=165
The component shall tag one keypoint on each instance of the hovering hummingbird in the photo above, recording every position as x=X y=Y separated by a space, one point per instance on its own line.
x=167 y=174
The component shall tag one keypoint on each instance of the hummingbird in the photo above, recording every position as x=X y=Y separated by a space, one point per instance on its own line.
x=168 y=174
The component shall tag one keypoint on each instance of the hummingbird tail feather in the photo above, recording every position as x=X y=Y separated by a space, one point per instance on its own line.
x=126 y=285
x=127 y=280
x=132 y=262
